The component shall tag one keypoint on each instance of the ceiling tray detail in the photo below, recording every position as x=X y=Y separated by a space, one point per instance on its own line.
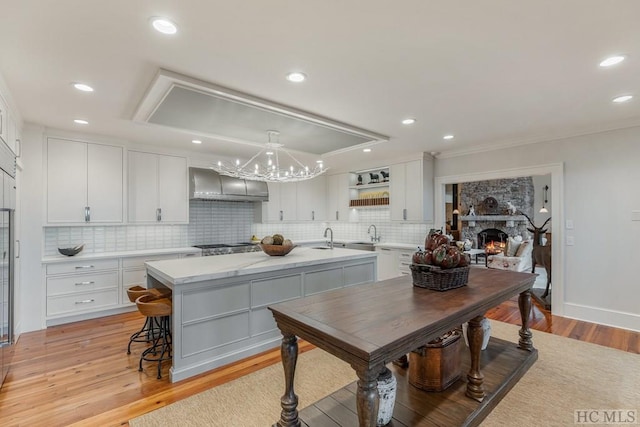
x=199 y=107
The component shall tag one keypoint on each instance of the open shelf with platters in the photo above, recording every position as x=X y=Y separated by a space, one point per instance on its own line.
x=369 y=188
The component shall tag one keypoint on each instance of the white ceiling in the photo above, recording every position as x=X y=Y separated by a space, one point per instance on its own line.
x=491 y=72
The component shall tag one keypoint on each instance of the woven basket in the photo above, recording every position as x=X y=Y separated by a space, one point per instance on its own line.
x=438 y=279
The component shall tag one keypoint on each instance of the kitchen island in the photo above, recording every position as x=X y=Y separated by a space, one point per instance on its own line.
x=220 y=303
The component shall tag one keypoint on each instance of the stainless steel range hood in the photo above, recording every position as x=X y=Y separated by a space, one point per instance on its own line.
x=207 y=184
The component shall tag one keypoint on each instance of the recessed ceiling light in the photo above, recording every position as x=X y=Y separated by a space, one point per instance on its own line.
x=623 y=98
x=409 y=121
x=612 y=60
x=196 y=141
x=447 y=137
x=319 y=161
x=80 y=122
x=83 y=87
x=296 y=77
x=164 y=26
x=366 y=150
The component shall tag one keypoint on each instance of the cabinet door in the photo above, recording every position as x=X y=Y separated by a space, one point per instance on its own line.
x=413 y=190
x=387 y=263
x=270 y=211
x=11 y=134
x=173 y=198
x=104 y=182
x=4 y=120
x=143 y=187
x=338 y=197
x=310 y=199
x=397 y=190
x=288 y=201
x=66 y=181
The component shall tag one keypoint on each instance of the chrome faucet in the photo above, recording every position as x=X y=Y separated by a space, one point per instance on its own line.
x=375 y=237
x=325 y=235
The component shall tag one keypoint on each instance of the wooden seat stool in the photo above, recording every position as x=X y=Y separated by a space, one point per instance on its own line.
x=159 y=310
x=144 y=334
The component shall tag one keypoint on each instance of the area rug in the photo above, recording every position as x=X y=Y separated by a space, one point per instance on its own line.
x=569 y=375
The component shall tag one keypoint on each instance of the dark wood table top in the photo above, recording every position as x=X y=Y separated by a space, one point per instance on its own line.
x=376 y=323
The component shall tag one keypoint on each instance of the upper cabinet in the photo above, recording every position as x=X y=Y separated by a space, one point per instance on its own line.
x=158 y=188
x=338 y=197
x=4 y=121
x=411 y=190
x=84 y=182
x=310 y=201
x=294 y=201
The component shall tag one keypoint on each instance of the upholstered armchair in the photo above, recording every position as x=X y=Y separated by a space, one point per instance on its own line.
x=519 y=261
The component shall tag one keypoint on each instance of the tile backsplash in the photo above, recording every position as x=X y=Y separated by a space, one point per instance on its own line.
x=227 y=222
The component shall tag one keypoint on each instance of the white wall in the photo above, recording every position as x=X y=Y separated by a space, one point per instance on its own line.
x=600 y=179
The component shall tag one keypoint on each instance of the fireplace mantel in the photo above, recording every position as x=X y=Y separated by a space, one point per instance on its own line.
x=509 y=219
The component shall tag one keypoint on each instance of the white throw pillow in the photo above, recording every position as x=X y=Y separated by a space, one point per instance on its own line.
x=524 y=249
x=512 y=246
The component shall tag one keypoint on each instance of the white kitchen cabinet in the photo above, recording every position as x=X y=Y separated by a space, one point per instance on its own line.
x=311 y=204
x=393 y=262
x=411 y=190
x=4 y=120
x=338 y=197
x=282 y=204
x=84 y=182
x=157 y=188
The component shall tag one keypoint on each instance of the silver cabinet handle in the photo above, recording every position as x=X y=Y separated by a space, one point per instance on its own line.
x=159 y=214
x=86 y=301
x=79 y=267
x=87 y=213
x=18 y=147
x=186 y=255
x=384 y=249
x=18 y=249
x=337 y=215
x=313 y=215
x=281 y=215
x=404 y=213
x=85 y=283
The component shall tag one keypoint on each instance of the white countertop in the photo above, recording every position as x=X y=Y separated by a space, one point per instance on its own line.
x=87 y=256
x=190 y=270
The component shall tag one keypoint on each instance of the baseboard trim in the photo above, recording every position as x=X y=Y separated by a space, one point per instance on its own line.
x=616 y=319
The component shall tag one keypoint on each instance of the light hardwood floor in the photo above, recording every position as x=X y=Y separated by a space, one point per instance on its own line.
x=79 y=373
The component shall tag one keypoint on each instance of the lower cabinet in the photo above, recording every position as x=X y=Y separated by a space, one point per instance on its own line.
x=393 y=262
x=84 y=289
x=83 y=286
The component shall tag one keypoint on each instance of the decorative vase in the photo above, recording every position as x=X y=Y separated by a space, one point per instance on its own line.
x=387 y=386
x=486 y=328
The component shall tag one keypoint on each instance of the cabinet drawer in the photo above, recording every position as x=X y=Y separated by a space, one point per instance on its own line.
x=81 y=283
x=138 y=261
x=88 y=301
x=82 y=266
x=134 y=277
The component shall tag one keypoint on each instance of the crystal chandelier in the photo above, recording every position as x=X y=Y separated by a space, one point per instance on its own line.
x=265 y=166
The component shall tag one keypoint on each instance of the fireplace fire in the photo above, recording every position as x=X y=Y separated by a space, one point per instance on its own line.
x=492 y=240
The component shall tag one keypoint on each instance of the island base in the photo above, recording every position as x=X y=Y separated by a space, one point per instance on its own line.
x=502 y=365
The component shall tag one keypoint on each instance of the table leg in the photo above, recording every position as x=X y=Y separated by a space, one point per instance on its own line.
x=367 y=399
x=289 y=401
x=475 y=335
x=524 y=304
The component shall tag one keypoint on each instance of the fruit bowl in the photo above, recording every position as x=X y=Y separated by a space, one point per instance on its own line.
x=276 y=250
x=71 y=251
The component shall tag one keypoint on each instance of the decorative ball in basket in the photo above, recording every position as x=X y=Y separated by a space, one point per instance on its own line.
x=440 y=266
x=276 y=245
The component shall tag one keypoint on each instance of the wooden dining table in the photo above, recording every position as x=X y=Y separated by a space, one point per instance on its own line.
x=371 y=325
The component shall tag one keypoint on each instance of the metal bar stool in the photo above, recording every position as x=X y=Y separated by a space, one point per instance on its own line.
x=147 y=331
x=159 y=310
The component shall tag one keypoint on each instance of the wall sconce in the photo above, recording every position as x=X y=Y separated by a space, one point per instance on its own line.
x=543 y=209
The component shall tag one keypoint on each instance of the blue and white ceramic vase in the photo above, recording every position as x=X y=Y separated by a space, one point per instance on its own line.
x=387 y=387
x=486 y=328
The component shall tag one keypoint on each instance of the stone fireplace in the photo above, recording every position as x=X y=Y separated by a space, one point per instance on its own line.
x=490 y=200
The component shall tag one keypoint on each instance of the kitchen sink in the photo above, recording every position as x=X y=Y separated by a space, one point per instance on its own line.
x=363 y=246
